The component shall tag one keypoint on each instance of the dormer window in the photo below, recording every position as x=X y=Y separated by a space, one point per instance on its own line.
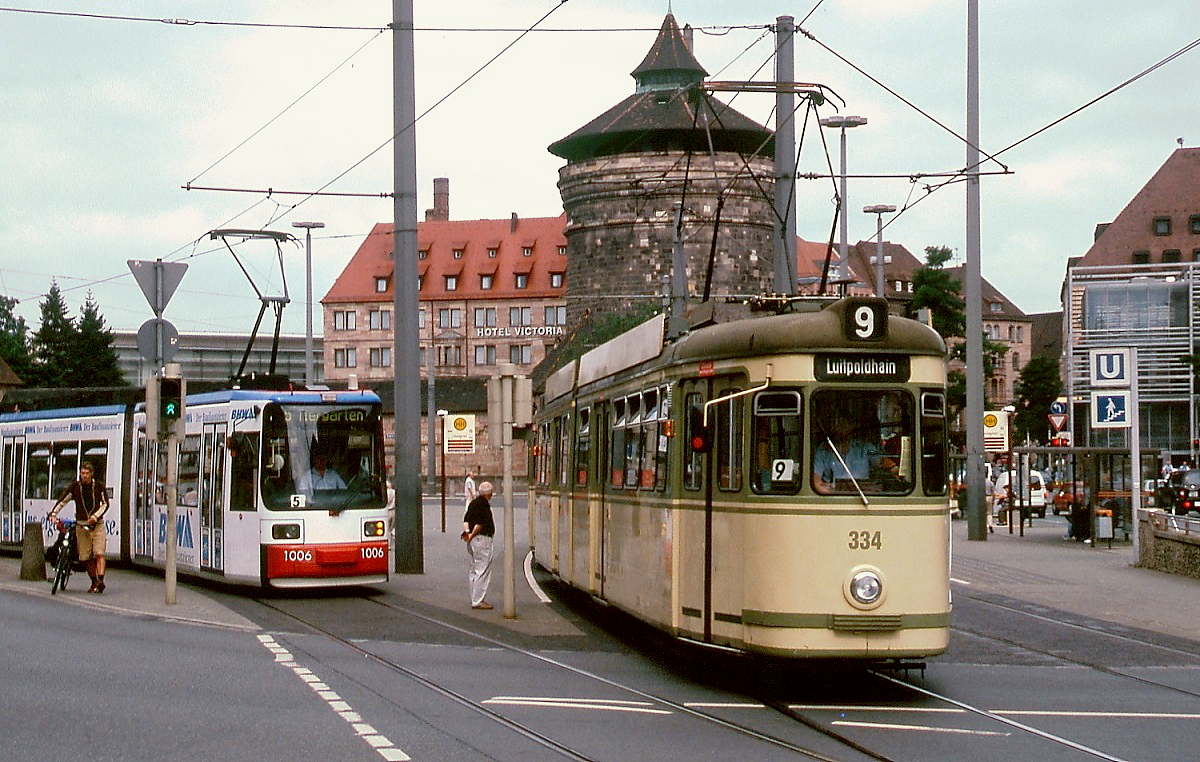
x=422 y=254
x=381 y=285
x=1194 y=224
x=492 y=253
x=562 y=250
x=1162 y=226
x=458 y=253
x=527 y=251
x=1140 y=258
x=451 y=282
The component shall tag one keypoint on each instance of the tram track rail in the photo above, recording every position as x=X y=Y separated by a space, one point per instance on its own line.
x=858 y=751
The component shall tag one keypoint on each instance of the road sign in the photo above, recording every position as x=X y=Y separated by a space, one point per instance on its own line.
x=1110 y=409
x=458 y=434
x=147 y=340
x=1110 y=367
x=146 y=273
x=1058 y=406
x=1057 y=421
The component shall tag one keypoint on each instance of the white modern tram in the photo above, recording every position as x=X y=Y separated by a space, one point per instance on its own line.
x=247 y=510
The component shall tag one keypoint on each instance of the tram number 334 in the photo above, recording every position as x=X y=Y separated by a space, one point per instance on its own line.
x=866 y=541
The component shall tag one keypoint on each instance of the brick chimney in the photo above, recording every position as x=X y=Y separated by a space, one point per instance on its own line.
x=441 y=200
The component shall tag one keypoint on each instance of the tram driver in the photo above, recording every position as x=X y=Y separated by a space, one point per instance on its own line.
x=321 y=476
x=842 y=454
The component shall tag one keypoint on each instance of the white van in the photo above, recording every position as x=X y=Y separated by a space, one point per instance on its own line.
x=1036 y=494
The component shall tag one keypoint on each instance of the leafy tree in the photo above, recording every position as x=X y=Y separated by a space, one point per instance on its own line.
x=14 y=340
x=94 y=362
x=52 y=345
x=1038 y=386
x=934 y=289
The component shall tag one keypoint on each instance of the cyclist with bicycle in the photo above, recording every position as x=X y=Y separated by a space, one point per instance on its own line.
x=91 y=502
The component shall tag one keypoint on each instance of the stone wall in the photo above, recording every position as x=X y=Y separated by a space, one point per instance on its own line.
x=620 y=227
x=1169 y=543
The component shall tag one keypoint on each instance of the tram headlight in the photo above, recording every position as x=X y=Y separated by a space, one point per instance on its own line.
x=866 y=587
x=285 y=531
x=374 y=528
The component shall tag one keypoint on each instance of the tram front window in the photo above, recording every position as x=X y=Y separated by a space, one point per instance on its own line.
x=327 y=457
x=862 y=442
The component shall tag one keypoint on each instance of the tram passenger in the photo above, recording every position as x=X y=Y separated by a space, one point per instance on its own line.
x=841 y=454
x=91 y=501
x=321 y=476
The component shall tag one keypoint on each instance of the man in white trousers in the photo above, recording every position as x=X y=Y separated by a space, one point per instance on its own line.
x=479 y=529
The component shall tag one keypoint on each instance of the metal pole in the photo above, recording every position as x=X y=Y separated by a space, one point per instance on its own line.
x=309 y=379
x=879 y=210
x=410 y=549
x=785 y=158
x=1135 y=453
x=976 y=528
x=843 y=241
x=510 y=597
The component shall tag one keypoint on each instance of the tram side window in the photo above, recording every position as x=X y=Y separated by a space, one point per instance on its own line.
x=563 y=452
x=243 y=462
x=649 y=438
x=616 y=458
x=38 y=483
x=693 y=475
x=542 y=456
x=582 y=446
x=933 y=443
x=862 y=440
x=777 y=442
x=96 y=453
x=64 y=467
x=663 y=440
x=635 y=442
x=189 y=471
x=727 y=442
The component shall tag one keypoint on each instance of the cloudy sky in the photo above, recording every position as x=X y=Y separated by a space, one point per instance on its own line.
x=104 y=120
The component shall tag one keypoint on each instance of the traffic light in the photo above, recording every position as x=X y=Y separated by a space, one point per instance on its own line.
x=170 y=400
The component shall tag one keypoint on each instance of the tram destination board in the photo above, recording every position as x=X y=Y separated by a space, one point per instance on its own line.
x=862 y=367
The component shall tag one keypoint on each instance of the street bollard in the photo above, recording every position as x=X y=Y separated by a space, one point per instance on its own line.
x=33 y=553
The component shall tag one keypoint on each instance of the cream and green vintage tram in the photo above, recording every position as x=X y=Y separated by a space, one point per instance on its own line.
x=775 y=484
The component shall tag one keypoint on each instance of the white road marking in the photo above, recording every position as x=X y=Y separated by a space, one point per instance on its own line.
x=922 y=728
x=380 y=743
x=604 y=705
x=533 y=585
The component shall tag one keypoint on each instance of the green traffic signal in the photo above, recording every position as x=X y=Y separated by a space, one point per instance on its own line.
x=170 y=399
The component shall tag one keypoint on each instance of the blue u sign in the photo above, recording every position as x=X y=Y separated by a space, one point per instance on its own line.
x=1110 y=367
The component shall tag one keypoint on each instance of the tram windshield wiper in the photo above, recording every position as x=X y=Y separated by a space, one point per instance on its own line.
x=861 y=495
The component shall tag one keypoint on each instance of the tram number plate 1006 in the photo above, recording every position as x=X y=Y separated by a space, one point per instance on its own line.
x=867 y=540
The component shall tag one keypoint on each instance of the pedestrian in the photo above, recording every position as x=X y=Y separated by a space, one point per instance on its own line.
x=478 y=532
x=91 y=501
x=989 y=490
x=469 y=490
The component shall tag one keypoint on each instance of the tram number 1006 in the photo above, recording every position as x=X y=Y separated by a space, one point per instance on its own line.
x=374 y=552
x=866 y=540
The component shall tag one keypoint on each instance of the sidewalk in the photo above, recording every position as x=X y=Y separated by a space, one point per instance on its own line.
x=443 y=584
x=1098 y=582
x=1040 y=568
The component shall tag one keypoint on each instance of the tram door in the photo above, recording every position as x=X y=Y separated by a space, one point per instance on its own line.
x=212 y=497
x=146 y=487
x=12 y=488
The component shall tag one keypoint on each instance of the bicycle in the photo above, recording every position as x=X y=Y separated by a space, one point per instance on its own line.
x=64 y=555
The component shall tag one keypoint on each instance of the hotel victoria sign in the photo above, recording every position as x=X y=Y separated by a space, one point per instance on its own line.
x=519 y=331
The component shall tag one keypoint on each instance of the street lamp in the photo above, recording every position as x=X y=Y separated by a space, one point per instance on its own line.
x=308 y=329
x=879 y=210
x=843 y=123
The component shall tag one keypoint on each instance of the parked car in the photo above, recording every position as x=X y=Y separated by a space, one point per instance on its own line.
x=1036 y=495
x=1181 y=493
x=1066 y=495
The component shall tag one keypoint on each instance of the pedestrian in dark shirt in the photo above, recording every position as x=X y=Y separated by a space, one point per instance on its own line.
x=478 y=531
x=91 y=501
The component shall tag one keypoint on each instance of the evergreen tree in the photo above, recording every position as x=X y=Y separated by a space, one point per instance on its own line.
x=53 y=344
x=94 y=362
x=14 y=340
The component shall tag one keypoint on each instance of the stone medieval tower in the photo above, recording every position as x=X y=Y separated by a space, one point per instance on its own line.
x=669 y=143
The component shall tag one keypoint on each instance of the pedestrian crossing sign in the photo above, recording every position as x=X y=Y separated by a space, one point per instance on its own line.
x=1110 y=409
